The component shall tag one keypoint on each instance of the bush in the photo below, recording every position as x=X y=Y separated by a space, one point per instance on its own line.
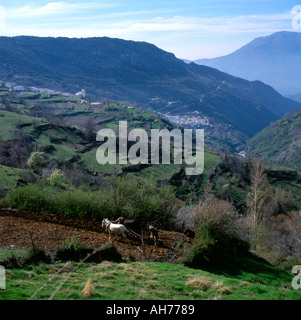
x=288 y=263
x=73 y=243
x=72 y=203
x=75 y=252
x=36 y=160
x=30 y=198
x=142 y=200
x=185 y=219
x=217 y=234
x=70 y=254
x=57 y=178
x=106 y=253
x=34 y=256
x=131 y=198
x=81 y=204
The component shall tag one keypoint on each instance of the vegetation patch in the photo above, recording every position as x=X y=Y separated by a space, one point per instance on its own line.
x=114 y=281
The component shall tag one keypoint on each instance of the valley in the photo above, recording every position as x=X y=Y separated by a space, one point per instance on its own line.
x=231 y=232
x=141 y=75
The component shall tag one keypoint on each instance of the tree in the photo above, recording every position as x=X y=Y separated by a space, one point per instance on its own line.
x=19 y=147
x=58 y=179
x=90 y=130
x=36 y=160
x=258 y=194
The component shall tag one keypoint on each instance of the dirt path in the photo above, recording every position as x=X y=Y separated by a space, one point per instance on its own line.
x=50 y=231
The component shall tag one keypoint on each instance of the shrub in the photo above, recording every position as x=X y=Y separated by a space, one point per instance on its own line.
x=288 y=263
x=73 y=203
x=106 y=253
x=36 y=160
x=11 y=262
x=34 y=256
x=215 y=222
x=70 y=254
x=142 y=200
x=30 y=198
x=131 y=198
x=72 y=249
x=73 y=243
x=274 y=257
x=111 y=107
x=74 y=252
x=185 y=218
x=57 y=178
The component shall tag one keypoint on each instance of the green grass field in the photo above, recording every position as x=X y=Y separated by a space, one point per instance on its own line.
x=65 y=143
x=8 y=177
x=10 y=121
x=148 y=281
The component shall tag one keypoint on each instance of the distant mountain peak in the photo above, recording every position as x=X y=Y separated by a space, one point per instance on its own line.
x=273 y=59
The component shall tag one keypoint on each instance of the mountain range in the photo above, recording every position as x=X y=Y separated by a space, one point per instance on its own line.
x=274 y=59
x=138 y=73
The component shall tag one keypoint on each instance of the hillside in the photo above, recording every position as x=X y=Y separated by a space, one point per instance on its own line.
x=243 y=280
x=126 y=275
x=140 y=74
x=280 y=143
x=64 y=128
x=56 y=125
x=47 y=225
x=273 y=59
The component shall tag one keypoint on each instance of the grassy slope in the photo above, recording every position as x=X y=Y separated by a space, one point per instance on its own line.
x=280 y=143
x=162 y=172
x=110 y=281
x=104 y=116
x=8 y=177
x=72 y=141
x=11 y=120
x=147 y=281
x=239 y=193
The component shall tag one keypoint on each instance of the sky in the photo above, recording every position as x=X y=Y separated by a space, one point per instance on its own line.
x=191 y=29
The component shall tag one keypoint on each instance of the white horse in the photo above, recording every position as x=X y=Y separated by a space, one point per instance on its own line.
x=114 y=228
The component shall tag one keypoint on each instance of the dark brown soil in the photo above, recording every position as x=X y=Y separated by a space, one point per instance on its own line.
x=50 y=231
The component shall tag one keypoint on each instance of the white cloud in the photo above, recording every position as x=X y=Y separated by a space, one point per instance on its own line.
x=2 y=18
x=174 y=33
x=220 y=25
x=175 y=27
x=54 y=8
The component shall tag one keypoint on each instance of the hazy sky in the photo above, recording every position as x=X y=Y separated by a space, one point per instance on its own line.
x=190 y=29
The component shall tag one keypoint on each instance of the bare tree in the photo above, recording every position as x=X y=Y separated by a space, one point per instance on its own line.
x=90 y=129
x=19 y=147
x=258 y=194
